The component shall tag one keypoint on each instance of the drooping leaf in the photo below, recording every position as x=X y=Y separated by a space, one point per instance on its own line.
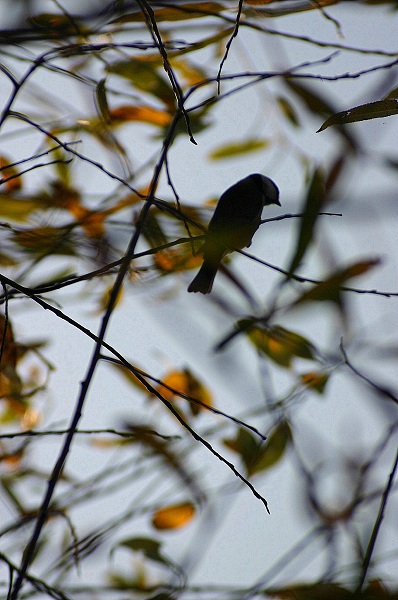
x=244 y=444
x=329 y=290
x=10 y=180
x=312 y=206
x=102 y=102
x=279 y=344
x=17 y=208
x=147 y=546
x=143 y=114
x=186 y=383
x=317 y=104
x=315 y=380
x=238 y=148
x=144 y=74
x=273 y=450
x=174 y=516
x=317 y=591
x=287 y=109
x=182 y=12
x=373 y=110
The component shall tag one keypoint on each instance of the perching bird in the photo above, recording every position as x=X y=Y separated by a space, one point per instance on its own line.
x=235 y=220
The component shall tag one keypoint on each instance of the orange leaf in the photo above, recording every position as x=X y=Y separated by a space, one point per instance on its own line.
x=145 y=114
x=173 y=516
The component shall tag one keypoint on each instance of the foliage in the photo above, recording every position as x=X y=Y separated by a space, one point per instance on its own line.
x=110 y=118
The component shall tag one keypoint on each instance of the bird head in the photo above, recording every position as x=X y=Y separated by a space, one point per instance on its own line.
x=267 y=187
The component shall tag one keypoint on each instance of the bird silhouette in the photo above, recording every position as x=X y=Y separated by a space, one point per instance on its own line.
x=235 y=220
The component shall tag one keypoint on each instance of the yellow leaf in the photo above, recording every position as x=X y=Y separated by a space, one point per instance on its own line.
x=18 y=208
x=173 y=516
x=238 y=148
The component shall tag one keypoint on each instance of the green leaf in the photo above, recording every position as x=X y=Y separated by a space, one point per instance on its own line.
x=243 y=444
x=288 y=110
x=329 y=290
x=273 y=450
x=312 y=206
x=102 y=102
x=147 y=546
x=143 y=74
x=374 y=110
x=279 y=344
x=238 y=148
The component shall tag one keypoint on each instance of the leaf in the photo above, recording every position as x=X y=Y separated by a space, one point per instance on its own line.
x=147 y=546
x=237 y=148
x=317 y=591
x=143 y=74
x=187 y=384
x=174 y=516
x=143 y=114
x=373 y=110
x=9 y=177
x=320 y=106
x=288 y=110
x=18 y=209
x=102 y=101
x=315 y=380
x=330 y=289
x=279 y=344
x=312 y=206
x=273 y=450
x=43 y=241
x=175 y=13
x=244 y=444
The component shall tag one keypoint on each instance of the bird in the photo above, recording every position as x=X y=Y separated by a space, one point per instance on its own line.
x=235 y=220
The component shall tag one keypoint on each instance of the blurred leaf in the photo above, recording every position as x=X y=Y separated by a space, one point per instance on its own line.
x=315 y=380
x=187 y=384
x=273 y=450
x=173 y=260
x=18 y=208
x=15 y=183
x=318 y=105
x=330 y=289
x=173 y=516
x=237 y=148
x=102 y=102
x=143 y=74
x=279 y=344
x=175 y=13
x=148 y=547
x=374 y=110
x=312 y=206
x=317 y=591
x=8 y=347
x=43 y=241
x=244 y=444
x=144 y=114
x=288 y=110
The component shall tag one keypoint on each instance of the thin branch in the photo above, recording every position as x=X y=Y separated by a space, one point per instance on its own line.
x=376 y=527
x=229 y=44
x=379 y=388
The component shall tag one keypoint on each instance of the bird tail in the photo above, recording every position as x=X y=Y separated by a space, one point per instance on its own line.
x=203 y=281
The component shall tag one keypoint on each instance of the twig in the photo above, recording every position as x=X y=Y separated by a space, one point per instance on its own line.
x=376 y=527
